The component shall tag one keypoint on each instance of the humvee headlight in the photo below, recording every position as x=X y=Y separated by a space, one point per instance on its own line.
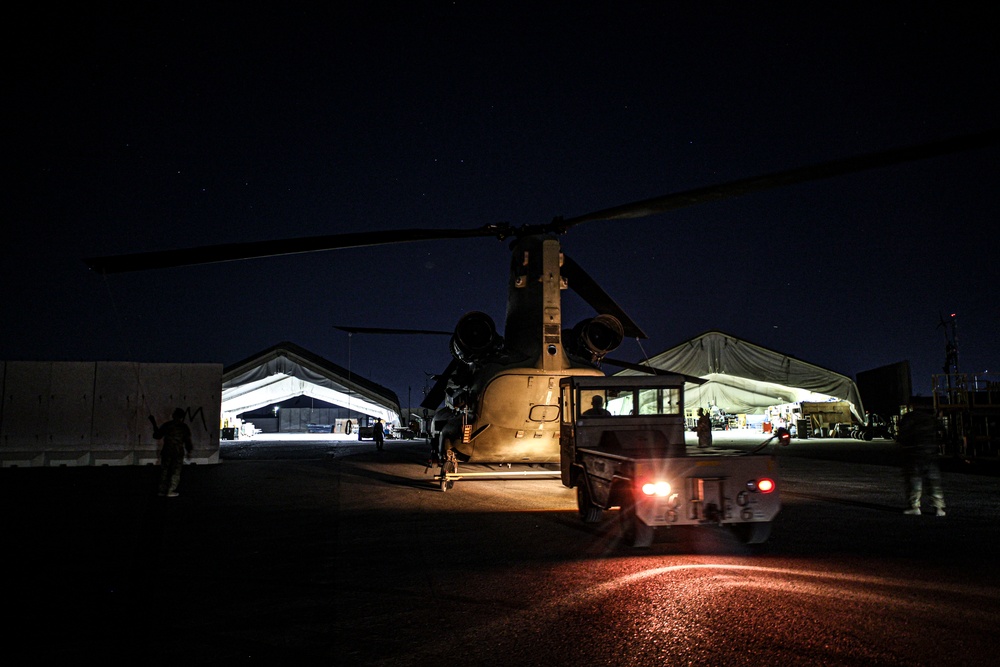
x=656 y=489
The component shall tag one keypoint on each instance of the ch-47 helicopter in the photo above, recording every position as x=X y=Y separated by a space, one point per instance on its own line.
x=497 y=401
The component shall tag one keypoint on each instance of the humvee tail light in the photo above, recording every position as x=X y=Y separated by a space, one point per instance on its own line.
x=763 y=485
x=656 y=488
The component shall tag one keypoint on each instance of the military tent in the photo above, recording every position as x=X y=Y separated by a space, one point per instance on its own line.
x=746 y=378
x=287 y=370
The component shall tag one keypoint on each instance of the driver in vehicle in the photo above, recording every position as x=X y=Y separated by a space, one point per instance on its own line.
x=597 y=408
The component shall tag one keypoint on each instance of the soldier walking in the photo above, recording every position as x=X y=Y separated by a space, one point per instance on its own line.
x=176 y=437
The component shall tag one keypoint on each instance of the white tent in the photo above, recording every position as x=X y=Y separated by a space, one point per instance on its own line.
x=747 y=378
x=287 y=370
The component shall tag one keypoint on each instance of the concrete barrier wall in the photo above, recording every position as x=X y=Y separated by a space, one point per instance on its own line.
x=96 y=413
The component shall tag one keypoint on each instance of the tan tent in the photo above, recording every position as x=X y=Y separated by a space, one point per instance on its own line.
x=746 y=378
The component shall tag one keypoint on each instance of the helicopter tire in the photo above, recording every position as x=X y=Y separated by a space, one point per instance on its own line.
x=589 y=512
x=635 y=533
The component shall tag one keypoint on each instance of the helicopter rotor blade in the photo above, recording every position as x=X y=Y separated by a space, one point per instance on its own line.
x=437 y=393
x=163 y=259
x=382 y=330
x=588 y=289
x=434 y=397
x=650 y=370
x=678 y=200
x=227 y=252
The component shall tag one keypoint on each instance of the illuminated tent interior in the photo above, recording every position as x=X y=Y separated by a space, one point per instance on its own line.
x=746 y=378
x=286 y=371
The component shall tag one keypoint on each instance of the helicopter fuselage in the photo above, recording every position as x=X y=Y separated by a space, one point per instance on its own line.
x=504 y=406
x=517 y=419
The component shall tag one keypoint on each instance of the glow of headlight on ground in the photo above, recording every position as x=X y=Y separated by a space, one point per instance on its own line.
x=780 y=585
x=778 y=580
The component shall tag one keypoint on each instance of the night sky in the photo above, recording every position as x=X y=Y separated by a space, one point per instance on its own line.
x=168 y=125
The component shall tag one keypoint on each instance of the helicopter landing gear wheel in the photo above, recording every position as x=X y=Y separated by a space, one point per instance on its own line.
x=449 y=466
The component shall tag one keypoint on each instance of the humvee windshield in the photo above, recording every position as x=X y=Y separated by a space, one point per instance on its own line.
x=630 y=401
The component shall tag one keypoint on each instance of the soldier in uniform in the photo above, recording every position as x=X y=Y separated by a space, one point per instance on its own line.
x=918 y=435
x=704 y=429
x=378 y=434
x=176 y=437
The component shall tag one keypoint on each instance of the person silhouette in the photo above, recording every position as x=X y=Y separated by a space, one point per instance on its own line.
x=704 y=429
x=597 y=408
x=919 y=439
x=176 y=437
x=378 y=434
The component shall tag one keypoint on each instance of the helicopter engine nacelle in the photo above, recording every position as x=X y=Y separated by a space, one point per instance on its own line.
x=475 y=336
x=597 y=336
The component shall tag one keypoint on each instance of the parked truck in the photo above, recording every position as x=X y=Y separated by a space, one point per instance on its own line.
x=630 y=453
